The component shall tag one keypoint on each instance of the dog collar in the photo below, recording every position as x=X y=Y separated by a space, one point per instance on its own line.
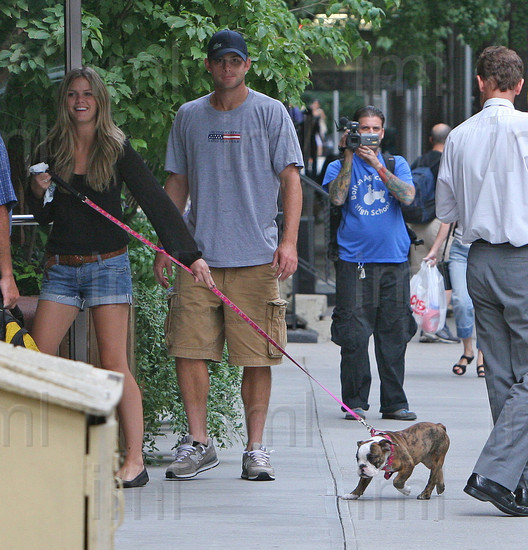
x=388 y=465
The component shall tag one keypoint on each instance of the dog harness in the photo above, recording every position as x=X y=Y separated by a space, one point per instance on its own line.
x=388 y=465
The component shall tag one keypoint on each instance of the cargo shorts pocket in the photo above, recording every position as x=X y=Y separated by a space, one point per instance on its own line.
x=276 y=326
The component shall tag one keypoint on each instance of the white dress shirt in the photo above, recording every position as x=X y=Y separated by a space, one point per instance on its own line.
x=483 y=178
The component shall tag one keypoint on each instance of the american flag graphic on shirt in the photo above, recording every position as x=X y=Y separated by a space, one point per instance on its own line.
x=233 y=137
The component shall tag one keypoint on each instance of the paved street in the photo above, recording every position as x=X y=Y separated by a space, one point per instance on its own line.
x=314 y=457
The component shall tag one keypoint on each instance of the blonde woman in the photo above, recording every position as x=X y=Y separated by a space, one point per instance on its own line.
x=87 y=261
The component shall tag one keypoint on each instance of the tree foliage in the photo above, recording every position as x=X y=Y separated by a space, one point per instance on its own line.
x=151 y=53
x=428 y=30
x=422 y=27
x=417 y=26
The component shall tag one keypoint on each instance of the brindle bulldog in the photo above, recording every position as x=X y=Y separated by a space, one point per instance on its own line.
x=399 y=452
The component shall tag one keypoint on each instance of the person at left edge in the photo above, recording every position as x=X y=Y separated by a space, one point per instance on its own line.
x=86 y=254
x=8 y=200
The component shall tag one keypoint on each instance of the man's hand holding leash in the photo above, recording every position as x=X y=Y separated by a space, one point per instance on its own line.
x=163 y=271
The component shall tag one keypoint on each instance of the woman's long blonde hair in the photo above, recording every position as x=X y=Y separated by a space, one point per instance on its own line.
x=109 y=139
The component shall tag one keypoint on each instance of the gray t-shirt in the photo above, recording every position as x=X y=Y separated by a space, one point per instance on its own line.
x=232 y=160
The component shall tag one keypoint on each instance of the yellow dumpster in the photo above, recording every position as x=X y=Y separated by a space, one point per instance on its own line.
x=58 y=452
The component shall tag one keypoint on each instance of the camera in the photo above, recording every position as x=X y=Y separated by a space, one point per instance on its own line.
x=354 y=139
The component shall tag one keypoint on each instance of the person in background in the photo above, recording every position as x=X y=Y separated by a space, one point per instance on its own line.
x=429 y=231
x=462 y=304
x=372 y=271
x=317 y=135
x=86 y=255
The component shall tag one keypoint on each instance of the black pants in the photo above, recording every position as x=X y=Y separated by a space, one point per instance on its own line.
x=378 y=305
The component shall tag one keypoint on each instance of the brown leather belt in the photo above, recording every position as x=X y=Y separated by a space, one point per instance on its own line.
x=76 y=260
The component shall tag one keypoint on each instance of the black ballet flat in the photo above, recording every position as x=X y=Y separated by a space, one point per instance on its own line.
x=139 y=481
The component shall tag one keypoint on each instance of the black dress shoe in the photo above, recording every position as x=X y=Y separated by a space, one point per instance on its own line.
x=485 y=489
x=141 y=479
x=521 y=496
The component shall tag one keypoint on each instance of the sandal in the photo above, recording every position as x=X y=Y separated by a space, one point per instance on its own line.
x=459 y=369
x=481 y=371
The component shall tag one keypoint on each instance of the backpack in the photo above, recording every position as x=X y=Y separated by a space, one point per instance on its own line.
x=335 y=216
x=422 y=209
x=12 y=328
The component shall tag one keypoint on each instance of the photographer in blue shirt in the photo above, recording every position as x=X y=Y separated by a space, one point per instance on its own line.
x=372 y=271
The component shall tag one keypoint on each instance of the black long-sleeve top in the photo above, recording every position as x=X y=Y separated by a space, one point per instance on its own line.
x=79 y=229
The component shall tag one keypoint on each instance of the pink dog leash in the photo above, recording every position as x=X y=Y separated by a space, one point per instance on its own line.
x=222 y=296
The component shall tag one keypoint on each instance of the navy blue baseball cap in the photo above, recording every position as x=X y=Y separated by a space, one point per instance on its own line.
x=226 y=41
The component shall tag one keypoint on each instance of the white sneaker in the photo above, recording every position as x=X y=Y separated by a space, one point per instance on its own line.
x=256 y=464
x=191 y=460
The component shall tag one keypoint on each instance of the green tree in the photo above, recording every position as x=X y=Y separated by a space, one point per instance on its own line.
x=423 y=40
x=151 y=54
x=517 y=16
x=423 y=30
x=420 y=27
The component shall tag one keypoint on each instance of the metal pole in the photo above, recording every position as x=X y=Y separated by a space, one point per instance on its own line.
x=335 y=134
x=72 y=34
x=468 y=81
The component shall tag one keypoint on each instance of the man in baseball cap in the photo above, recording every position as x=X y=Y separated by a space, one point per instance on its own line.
x=227 y=41
x=237 y=146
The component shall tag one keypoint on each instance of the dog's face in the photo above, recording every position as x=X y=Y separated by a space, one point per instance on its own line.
x=372 y=455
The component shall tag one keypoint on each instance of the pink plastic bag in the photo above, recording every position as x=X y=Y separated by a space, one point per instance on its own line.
x=428 y=300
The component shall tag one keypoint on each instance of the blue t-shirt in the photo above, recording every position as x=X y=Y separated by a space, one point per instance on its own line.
x=372 y=229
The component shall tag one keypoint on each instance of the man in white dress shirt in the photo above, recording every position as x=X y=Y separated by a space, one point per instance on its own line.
x=483 y=185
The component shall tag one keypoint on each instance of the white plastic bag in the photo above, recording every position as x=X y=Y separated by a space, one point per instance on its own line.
x=428 y=300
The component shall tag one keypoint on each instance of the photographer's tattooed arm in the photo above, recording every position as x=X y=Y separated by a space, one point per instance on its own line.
x=402 y=191
x=338 y=187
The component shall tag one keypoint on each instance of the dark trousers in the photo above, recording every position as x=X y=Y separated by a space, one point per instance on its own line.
x=377 y=305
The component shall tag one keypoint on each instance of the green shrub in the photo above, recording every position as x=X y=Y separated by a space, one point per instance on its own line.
x=155 y=371
x=27 y=253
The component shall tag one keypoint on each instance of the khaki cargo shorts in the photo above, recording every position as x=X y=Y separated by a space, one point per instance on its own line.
x=198 y=322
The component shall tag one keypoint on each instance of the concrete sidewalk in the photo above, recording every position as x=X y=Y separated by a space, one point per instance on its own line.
x=314 y=460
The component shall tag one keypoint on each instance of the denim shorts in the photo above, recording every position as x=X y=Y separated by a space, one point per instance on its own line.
x=92 y=284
